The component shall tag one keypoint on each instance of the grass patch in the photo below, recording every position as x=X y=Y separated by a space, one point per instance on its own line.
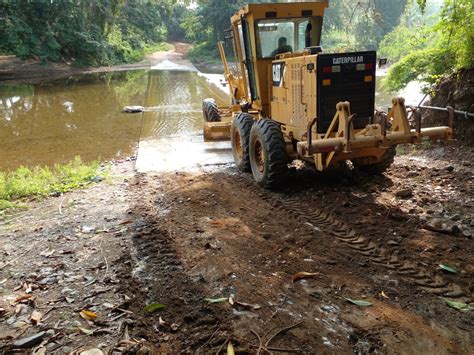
x=44 y=181
x=4 y=205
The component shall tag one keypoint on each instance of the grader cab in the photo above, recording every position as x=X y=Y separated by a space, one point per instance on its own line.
x=291 y=100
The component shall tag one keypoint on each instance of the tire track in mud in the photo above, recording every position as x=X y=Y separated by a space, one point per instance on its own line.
x=388 y=257
x=281 y=224
x=157 y=274
x=283 y=304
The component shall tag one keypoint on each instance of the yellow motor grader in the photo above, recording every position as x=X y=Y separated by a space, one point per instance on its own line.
x=291 y=100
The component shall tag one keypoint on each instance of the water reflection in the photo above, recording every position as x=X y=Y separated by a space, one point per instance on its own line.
x=175 y=98
x=52 y=123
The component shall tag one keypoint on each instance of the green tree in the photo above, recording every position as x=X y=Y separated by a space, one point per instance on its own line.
x=447 y=46
x=86 y=32
x=365 y=23
x=413 y=33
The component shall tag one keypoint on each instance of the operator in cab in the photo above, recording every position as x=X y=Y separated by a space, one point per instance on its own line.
x=282 y=47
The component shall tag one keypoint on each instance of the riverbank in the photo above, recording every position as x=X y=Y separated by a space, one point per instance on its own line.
x=41 y=182
x=14 y=70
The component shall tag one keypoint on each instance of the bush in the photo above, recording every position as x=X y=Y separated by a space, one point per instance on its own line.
x=123 y=50
x=204 y=52
x=425 y=65
x=434 y=51
x=403 y=40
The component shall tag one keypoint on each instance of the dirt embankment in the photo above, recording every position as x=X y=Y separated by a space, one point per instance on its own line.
x=456 y=90
x=180 y=238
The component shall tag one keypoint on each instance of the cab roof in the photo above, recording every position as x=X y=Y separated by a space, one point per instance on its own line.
x=282 y=10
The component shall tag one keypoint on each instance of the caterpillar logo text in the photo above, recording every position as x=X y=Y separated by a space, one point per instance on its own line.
x=345 y=60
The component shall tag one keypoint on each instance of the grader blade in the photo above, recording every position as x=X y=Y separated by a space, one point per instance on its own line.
x=216 y=131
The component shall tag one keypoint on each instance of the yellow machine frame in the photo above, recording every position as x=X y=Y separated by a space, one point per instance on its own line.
x=292 y=104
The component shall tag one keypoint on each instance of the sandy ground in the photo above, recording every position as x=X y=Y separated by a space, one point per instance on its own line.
x=181 y=237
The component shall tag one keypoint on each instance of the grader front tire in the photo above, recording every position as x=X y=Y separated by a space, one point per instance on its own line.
x=210 y=111
x=240 y=137
x=268 y=156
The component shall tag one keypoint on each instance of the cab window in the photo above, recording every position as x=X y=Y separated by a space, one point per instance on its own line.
x=280 y=36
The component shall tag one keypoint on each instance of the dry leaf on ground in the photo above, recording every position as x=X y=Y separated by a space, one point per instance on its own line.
x=216 y=300
x=304 y=275
x=92 y=352
x=36 y=317
x=218 y=222
x=230 y=349
x=86 y=331
x=23 y=298
x=88 y=315
x=253 y=307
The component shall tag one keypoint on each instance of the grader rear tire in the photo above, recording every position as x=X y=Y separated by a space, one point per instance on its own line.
x=240 y=137
x=383 y=165
x=210 y=111
x=268 y=157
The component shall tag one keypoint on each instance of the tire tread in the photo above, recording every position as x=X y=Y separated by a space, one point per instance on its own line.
x=380 y=167
x=210 y=111
x=275 y=173
x=243 y=122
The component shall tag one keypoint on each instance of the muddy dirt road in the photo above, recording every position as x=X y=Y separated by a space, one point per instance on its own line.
x=182 y=237
x=232 y=238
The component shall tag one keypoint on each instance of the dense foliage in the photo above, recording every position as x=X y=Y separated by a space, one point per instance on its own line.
x=425 y=47
x=348 y=25
x=205 y=24
x=359 y=25
x=86 y=32
x=425 y=38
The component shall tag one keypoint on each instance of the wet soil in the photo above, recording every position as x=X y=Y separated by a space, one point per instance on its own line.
x=182 y=237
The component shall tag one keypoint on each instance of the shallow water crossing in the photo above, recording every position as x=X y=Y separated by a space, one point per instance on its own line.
x=82 y=116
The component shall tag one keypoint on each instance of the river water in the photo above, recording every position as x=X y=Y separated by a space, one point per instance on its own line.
x=82 y=116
